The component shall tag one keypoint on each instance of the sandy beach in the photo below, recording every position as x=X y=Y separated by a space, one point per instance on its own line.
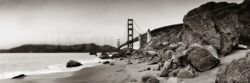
x=122 y=72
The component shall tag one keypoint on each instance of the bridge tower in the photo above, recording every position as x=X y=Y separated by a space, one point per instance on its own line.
x=118 y=43
x=130 y=32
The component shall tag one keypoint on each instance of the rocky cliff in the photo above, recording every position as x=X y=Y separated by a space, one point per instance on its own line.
x=220 y=24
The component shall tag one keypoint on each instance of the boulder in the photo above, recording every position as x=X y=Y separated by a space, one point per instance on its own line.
x=174 y=73
x=201 y=58
x=158 y=66
x=104 y=55
x=19 y=76
x=212 y=50
x=155 y=60
x=237 y=71
x=166 y=68
x=244 y=19
x=115 y=55
x=185 y=74
x=180 y=51
x=213 y=24
x=173 y=46
x=151 y=53
x=153 y=80
x=106 y=62
x=168 y=55
x=73 y=63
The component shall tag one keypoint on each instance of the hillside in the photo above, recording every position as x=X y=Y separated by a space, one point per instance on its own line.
x=42 y=48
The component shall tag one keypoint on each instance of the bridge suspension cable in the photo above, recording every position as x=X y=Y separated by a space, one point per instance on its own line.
x=138 y=27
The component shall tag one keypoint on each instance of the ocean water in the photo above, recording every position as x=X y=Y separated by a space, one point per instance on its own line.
x=12 y=64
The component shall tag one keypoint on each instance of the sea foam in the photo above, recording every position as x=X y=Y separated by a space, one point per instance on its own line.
x=57 y=68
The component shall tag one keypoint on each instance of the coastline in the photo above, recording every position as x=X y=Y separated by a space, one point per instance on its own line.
x=121 y=72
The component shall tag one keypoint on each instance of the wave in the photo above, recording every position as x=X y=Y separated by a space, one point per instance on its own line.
x=57 y=68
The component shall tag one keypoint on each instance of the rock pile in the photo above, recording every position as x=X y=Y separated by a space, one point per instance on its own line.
x=104 y=55
x=176 y=60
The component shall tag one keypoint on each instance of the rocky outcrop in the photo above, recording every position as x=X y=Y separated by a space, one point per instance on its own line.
x=244 y=19
x=165 y=70
x=19 y=76
x=73 y=63
x=238 y=71
x=167 y=55
x=104 y=55
x=213 y=24
x=163 y=35
x=201 y=58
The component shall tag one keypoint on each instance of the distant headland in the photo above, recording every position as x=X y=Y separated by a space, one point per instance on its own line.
x=47 y=48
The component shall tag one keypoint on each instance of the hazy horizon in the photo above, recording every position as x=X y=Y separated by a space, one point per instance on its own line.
x=68 y=22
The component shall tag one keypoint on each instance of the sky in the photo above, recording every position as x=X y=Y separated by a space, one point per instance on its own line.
x=67 y=22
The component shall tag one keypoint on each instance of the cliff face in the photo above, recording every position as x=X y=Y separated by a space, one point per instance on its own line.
x=172 y=33
x=244 y=19
x=222 y=25
x=213 y=24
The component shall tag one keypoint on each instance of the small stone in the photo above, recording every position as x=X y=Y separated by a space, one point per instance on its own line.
x=106 y=62
x=148 y=68
x=153 y=80
x=112 y=63
x=146 y=77
x=133 y=80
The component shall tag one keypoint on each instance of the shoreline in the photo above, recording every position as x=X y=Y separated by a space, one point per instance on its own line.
x=121 y=72
x=43 y=65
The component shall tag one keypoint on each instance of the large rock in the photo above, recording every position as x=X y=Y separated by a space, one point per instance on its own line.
x=73 y=63
x=154 y=60
x=238 y=71
x=213 y=24
x=201 y=58
x=167 y=55
x=180 y=51
x=104 y=55
x=187 y=72
x=174 y=73
x=19 y=76
x=151 y=53
x=153 y=80
x=115 y=55
x=244 y=19
x=166 y=68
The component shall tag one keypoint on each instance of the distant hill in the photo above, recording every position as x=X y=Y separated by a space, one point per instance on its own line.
x=45 y=48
